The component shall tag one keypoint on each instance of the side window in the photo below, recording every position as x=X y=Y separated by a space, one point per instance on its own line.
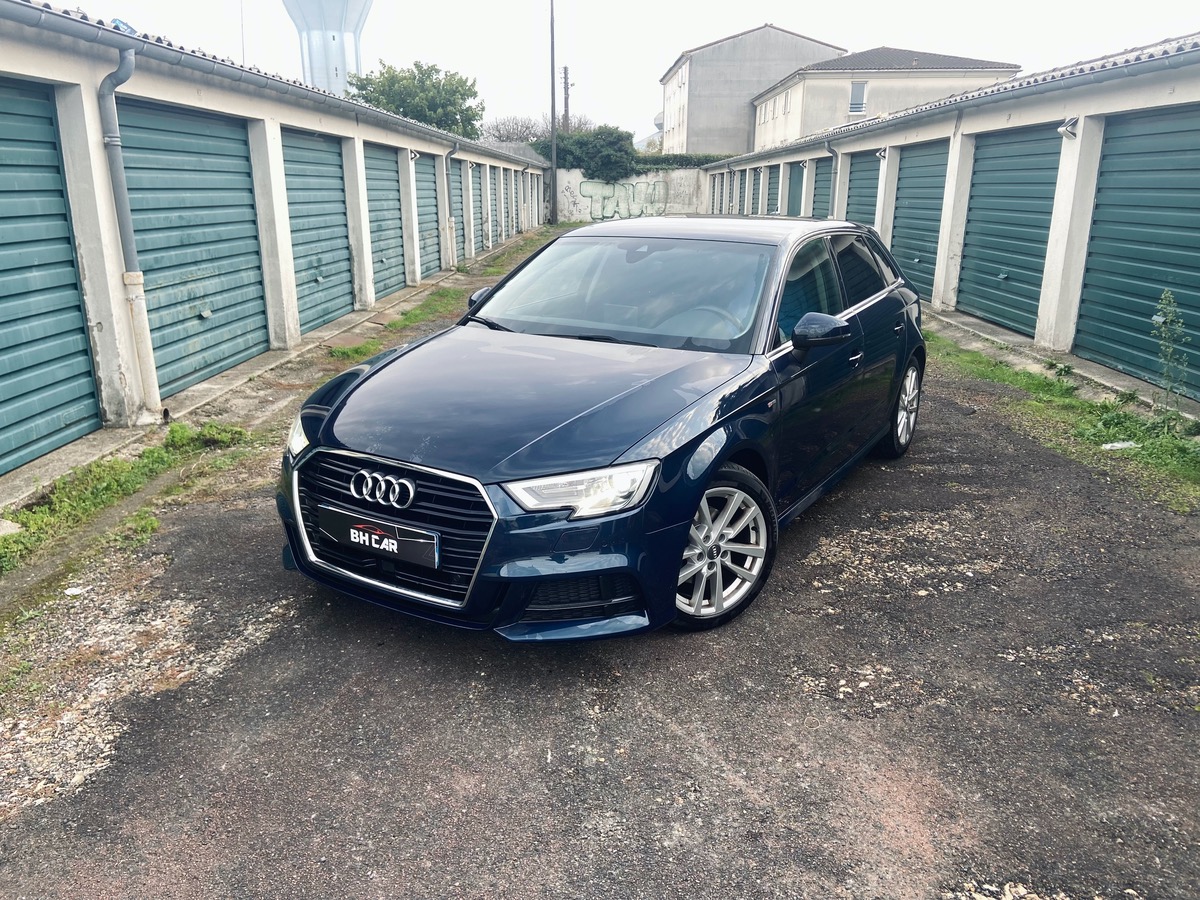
x=860 y=272
x=890 y=273
x=810 y=286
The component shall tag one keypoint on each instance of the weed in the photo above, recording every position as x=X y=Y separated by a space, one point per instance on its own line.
x=12 y=678
x=358 y=352
x=442 y=302
x=1172 y=358
x=136 y=530
x=1162 y=448
x=79 y=496
x=1125 y=398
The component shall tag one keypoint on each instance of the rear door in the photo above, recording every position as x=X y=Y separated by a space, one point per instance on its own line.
x=816 y=389
x=874 y=300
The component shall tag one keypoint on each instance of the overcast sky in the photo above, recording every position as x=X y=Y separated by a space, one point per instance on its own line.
x=618 y=49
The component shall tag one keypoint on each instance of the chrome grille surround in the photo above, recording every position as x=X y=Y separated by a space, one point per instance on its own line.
x=422 y=475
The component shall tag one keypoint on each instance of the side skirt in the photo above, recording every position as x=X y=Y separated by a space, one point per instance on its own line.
x=831 y=482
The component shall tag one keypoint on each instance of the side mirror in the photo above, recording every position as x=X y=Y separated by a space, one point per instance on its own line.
x=478 y=297
x=819 y=330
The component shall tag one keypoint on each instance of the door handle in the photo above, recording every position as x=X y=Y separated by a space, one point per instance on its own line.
x=898 y=328
x=856 y=358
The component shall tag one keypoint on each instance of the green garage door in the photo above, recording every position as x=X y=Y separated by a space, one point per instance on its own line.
x=47 y=392
x=1145 y=239
x=316 y=192
x=822 y=187
x=773 y=191
x=920 y=189
x=192 y=194
x=383 y=206
x=755 y=191
x=739 y=192
x=1008 y=225
x=455 y=168
x=477 y=204
x=863 y=188
x=429 y=241
x=795 y=204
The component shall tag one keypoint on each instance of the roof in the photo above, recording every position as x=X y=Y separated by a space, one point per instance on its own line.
x=1176 y=51
x=516 y=148
x=79 y=25
x=686 y=54
x=892 y=58
x=746 y=229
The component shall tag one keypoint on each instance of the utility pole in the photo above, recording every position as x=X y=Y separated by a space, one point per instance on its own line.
x=553 y=125
x=566 y=99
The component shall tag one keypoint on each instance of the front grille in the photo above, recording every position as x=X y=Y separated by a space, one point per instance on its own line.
x=591 y=597
x=454 y=508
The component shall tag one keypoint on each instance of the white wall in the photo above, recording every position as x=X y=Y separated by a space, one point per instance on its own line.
x=582 y=199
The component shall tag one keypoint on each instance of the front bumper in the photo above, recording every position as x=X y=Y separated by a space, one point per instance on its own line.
x=540 y=576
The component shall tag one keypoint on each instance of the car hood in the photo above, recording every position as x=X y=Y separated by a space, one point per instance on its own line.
x=502 y=405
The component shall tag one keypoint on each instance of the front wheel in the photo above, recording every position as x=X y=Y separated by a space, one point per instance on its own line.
x=730 y=550
x=896 y=442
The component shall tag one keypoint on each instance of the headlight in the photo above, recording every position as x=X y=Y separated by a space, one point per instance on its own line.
x=593 y=493
x=297 y=440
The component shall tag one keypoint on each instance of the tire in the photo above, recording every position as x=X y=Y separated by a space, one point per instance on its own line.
x=903 y=421
x=723 y=570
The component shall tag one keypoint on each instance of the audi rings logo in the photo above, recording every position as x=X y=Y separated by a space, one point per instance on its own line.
x=387 y=490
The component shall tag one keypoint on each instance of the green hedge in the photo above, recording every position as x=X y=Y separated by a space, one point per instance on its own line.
x=607 y=154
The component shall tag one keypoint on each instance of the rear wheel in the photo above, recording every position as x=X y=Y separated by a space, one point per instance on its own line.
x=896 y=442
x=730 y=550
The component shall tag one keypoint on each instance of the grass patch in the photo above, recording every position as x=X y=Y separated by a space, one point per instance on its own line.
x=1164 y=456
x=78 y=497
x=439 y=303
x=136 y=530
x=501 y=264
x=358 y=352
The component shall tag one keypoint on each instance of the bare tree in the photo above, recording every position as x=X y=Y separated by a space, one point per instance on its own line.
x=515 y=129
x=526 y=129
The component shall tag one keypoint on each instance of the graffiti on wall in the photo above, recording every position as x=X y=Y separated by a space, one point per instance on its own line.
x=624 y=201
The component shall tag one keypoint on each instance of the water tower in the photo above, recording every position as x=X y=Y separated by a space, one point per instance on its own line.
x=330 y=32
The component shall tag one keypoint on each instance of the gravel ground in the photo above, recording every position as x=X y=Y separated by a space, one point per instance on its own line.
x=975 y=673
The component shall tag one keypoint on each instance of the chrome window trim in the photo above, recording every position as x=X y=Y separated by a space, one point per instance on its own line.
x=313 y=561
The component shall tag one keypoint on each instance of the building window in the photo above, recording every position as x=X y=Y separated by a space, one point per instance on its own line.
x=774 y=107
x=787 y=102
x=762 y=114
x=858 y=97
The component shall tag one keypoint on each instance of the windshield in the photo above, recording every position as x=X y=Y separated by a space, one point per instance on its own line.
x=663 y=292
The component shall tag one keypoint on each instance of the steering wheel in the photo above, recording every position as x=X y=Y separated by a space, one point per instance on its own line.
x=723 y=314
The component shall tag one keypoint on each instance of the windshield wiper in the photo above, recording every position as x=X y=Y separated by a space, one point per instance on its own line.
x=605 y=338
x=490 y=323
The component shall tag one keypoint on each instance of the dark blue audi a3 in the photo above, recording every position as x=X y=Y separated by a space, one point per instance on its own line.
x=612 y=437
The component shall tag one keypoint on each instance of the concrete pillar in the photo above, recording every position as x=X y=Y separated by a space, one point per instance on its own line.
x=469 y=225
x=841 y=185
x=274 y=233
x=806 y=201
x=785 y=186
x=954 y=220
x=1070 y=225
x=486 y=181
x=885 y=199
x=99 y=258
x=408 y=216
x=441 y=168
x=747 y=189
x=358 y=220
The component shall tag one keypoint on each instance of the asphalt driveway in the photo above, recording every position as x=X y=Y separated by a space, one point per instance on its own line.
x=974 y=670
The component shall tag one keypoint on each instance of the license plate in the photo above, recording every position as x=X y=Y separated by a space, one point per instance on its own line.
x=357 y=532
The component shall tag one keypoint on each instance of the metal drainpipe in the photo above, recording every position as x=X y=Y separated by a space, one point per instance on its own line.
x=833 y=178
x=454 y=223
x=133 y=278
